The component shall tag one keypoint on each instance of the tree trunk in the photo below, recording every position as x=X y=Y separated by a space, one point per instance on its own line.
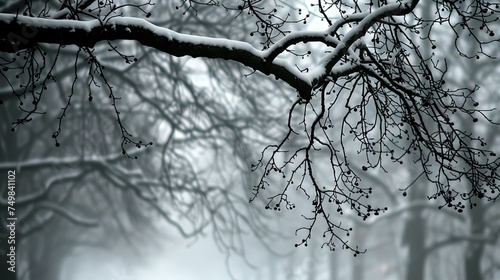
x=414 y=236
x=474 y=250
x=416 y=248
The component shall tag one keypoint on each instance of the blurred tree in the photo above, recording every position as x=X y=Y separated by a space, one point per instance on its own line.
x=83 y=193
x=365 y=67
x=477 y=234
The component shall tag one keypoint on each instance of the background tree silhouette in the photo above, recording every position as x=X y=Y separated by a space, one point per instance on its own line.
x=358 y=74
x=84 y=193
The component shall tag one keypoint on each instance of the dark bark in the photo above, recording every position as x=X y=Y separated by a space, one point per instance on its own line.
x=22 y=32
x=416 y=260
x=17 y=33
x=474 y=250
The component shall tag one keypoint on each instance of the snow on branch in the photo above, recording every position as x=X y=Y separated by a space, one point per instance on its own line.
x=88 y=33
x=22 y=32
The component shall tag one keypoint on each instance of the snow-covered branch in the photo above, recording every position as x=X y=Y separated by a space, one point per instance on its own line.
x=366 y=20
x=22 y=32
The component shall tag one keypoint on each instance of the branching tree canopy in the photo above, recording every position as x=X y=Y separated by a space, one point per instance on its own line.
x=360 y=73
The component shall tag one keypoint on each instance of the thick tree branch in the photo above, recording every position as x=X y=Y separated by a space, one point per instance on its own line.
x=21 y=32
